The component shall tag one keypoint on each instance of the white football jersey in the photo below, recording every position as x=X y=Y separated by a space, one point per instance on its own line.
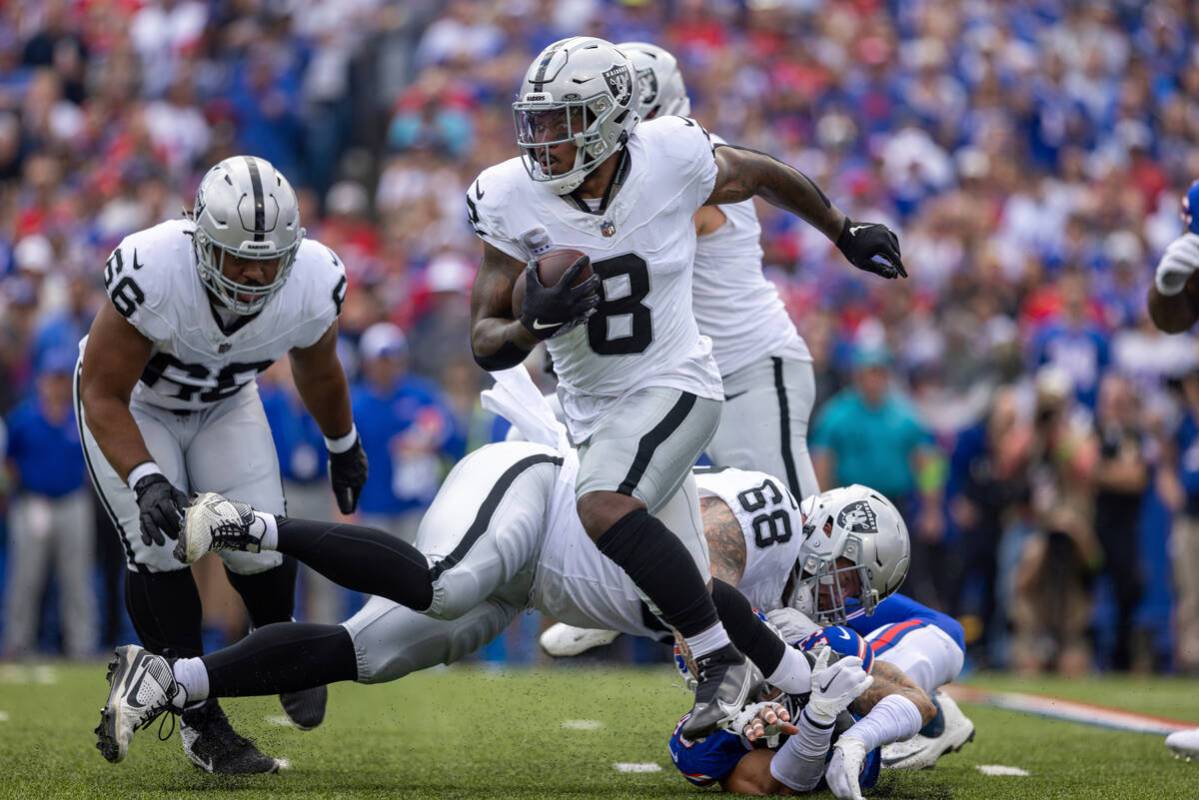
x=643 y=333
x=578 y=585
x=771 y=523
x=151 y=279
x=735 y=305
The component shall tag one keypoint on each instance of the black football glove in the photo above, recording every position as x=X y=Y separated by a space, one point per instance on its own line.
x=551 y=310
x=347 y=473
x=871 y=247
x=161 y=506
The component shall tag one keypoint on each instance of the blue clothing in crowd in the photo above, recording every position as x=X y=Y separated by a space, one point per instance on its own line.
x=1084 y=353
x=396 y=486
x=298 y=440
x=47 y=455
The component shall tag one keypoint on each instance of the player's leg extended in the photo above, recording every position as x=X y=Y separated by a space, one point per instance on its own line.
x=764 y=424
x=382 y=642
x=480 y=534
x=233 y=454
x=628 y=471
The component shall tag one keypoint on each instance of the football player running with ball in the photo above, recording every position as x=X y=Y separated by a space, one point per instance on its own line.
x=639 y=387
x=167 y=405
x=765 y=365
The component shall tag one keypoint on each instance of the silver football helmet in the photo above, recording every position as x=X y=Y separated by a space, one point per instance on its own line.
x=245 y=207
x=580 y=90
x=662 y=91
x=859 y=525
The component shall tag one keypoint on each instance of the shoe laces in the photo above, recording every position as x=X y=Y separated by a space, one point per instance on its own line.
x=169 y=711
x=225 y=533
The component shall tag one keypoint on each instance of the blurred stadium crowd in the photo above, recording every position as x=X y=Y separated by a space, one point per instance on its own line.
x=1031 y=154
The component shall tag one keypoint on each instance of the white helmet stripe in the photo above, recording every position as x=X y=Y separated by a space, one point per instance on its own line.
x=259 y=200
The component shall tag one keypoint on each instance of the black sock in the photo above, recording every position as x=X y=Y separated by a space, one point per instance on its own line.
x=936 y=725
x=165 y=610
x=660 y=566
x=269 y=596
x=746 y=631
x=283 y=657
x=362 y=559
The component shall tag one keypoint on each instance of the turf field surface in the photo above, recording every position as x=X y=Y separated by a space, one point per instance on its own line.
x=472 y=733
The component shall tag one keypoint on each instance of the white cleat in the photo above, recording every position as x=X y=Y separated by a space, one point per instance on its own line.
x=845 y=767
x=921 y=752
x=562 y=641
x=1184 y=744
x=141 y=687
x=214 y=522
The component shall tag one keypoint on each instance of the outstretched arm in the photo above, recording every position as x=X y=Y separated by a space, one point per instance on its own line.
x=742 y=173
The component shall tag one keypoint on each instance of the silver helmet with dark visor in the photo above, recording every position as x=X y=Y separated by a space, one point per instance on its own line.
x=859 y=525
x=246 y=208
x=581 y=91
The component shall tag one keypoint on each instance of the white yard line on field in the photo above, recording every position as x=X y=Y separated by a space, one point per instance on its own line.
x=582 y=724
x=999 y=770
x=1069 y=711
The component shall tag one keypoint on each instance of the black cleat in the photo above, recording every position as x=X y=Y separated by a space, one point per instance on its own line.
x=305 y=708
x=140 y=689
x=727 y=681
x=213 y=746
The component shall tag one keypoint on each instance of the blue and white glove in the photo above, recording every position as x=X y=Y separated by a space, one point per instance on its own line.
x=835 y=686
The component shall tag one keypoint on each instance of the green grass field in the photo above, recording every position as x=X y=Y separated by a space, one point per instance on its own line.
x=469 y=733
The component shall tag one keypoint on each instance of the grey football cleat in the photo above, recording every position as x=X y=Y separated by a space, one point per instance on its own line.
x=563 y=641
x=213 y=522
x=727 y=681
x=140 y=688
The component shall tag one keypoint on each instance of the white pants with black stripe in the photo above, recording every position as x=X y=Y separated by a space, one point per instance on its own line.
x=647 y=444
x=225 y=448
x=764 y=424
x=482 y=537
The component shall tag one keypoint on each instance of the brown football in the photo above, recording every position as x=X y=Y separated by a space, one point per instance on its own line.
x=550 y=269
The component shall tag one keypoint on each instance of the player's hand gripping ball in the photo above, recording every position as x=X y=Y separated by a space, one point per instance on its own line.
x=555 y=293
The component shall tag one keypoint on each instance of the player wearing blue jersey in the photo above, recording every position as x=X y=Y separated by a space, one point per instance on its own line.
x=750 y=757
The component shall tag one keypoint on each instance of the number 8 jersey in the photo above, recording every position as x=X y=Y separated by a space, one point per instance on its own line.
x=197 y=359
x=642 y=245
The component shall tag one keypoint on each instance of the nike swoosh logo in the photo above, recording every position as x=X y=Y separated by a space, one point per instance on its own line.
x=824 y=688
x=478 y=191
x=728 y=397
x=537 y=326
x=853 y=229
x=135 y=683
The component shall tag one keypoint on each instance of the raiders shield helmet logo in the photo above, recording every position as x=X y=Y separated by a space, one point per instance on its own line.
x=620 y=83
x=648 y=82
x=858 y=517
